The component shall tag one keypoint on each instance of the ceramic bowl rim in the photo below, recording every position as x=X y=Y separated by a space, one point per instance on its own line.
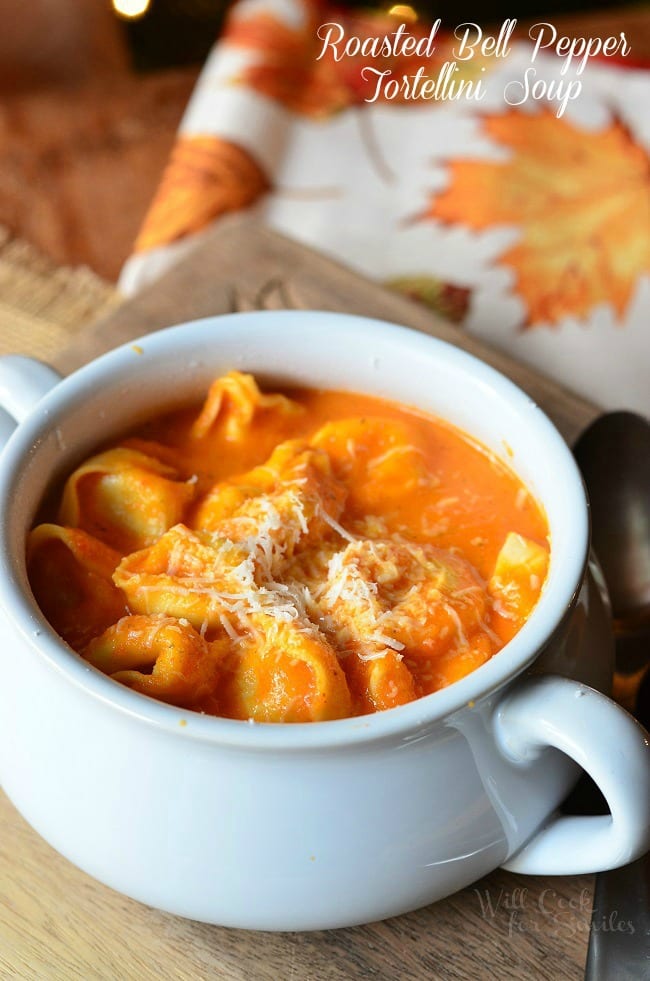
x=400 y=722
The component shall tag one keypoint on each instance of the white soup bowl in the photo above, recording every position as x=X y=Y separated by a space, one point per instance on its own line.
x=310 y=826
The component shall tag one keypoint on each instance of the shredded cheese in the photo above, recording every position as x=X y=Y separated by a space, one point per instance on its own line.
x=335 y=526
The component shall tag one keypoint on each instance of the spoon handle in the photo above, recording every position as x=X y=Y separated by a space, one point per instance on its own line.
x=619 y=941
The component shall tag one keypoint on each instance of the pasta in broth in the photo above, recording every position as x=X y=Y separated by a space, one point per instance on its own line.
x=290 y=557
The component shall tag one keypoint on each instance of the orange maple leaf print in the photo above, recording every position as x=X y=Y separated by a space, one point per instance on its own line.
x=287 y=71
x=292 y=72
x=582 y=201
x=206 y=177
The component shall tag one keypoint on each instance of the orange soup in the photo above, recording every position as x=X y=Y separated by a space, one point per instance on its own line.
x=292 y=557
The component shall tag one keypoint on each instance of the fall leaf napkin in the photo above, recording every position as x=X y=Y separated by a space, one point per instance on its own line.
x=523 y=215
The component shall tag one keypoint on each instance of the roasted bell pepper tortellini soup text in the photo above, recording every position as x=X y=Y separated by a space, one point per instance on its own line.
x=289 y=557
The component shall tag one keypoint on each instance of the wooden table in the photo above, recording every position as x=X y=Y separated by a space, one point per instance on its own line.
x=56 y=923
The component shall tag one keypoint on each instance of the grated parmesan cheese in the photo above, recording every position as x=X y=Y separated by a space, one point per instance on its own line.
x=329 y=520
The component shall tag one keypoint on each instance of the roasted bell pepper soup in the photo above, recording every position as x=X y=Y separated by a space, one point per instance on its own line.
x=290 y=557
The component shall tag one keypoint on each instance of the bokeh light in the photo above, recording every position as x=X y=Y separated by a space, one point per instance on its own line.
x=404 y=11
x=131 y=9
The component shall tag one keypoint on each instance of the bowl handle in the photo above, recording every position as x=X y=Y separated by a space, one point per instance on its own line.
x=606 y=742
x=23 y=382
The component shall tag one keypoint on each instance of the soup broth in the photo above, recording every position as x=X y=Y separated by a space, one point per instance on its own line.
x=290 y=557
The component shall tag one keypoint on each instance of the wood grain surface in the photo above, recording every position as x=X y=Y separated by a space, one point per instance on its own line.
x=57 y=923
x=243 y=265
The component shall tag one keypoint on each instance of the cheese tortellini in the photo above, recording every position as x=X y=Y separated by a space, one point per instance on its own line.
x=259 y=560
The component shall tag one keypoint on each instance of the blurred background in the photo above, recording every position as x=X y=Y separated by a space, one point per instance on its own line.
x=93 y=90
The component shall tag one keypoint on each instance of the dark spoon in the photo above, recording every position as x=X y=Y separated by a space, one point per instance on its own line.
x=614 y=457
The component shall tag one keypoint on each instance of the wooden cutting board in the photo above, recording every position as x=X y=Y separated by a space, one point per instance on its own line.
x=57 y=923
x=243 y=266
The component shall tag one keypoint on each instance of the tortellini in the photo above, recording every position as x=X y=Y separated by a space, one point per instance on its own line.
x=71 y=575
x=376 y=459
x=187 y=575
x=233 y=401
x=287 y=500
x=288 y=672
x=160 y=656
x=124 y=498
x=519 y=573
x=400 y=608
